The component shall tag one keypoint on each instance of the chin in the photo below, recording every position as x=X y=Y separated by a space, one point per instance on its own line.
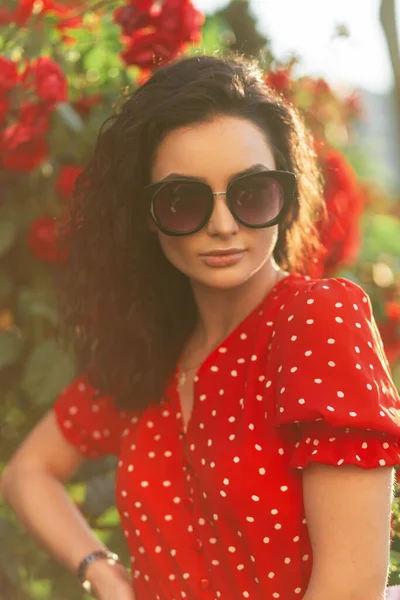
x=222 y=279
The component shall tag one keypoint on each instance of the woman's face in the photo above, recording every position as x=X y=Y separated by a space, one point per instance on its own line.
x=215 y=151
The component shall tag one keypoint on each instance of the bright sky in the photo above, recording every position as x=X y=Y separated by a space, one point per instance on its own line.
x=306 y=28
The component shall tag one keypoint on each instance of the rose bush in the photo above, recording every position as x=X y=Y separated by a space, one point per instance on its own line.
x=63 y=68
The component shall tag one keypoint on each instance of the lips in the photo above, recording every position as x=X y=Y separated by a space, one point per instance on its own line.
x=221 y=252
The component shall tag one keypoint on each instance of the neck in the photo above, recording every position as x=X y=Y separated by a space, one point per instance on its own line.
x=221 y=311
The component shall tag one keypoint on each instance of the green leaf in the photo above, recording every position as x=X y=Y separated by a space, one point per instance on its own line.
x=381 y=235
x=47 y=372
x=10 y=348
x=36 y=304
x=7 y=236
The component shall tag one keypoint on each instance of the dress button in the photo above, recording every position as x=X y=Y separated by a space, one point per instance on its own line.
x=204 y=584
x=198 y=544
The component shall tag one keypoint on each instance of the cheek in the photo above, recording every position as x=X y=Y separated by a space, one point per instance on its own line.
x=266 y=239
x=176 y=249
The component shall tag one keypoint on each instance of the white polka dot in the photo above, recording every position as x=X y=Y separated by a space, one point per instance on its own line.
x=261 y=471
x=271 y=574
x=284 y=488
x=353 y=414
x=308 y=353
x=166 y=483
x=266 y=540
x=382 y=462
x=277 y=526
x=144 y=483
x=310 y=321
x=236 y=459
x=331 y=341
x=301 y=401
x=340 y=394
x=243 y=336
x=232 y=549
x=255 y=498
x=234 y=373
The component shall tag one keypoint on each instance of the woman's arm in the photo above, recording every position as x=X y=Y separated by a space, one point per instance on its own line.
x=32 y=485
x=348 y=512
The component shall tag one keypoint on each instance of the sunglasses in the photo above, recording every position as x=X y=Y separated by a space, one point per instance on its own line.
x=182 y=206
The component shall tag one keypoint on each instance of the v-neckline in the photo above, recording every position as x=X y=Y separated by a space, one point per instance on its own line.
x=210 y=357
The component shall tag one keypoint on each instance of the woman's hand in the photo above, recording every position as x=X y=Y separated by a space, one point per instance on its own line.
x=121 y=591
x=110 y=582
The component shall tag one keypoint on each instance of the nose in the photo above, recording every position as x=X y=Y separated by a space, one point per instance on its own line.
x=222 y=223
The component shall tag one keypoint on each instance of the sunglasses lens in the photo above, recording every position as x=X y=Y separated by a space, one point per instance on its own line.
x=181 y=207
x=258 y=199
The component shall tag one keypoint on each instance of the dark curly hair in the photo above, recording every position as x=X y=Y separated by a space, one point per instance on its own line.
x=126 y=309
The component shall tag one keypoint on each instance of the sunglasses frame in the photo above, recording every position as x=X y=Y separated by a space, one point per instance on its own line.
x=287 y=179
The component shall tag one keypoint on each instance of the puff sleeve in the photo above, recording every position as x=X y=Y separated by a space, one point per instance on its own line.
x=95 y=427
x=336 y=402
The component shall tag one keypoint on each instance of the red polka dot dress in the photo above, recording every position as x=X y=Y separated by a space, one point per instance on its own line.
x=217 y=511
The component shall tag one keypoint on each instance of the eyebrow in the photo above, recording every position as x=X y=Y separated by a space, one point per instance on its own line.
x=257 y=168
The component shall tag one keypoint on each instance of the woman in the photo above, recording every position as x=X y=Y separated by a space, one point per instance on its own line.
x=251 y=406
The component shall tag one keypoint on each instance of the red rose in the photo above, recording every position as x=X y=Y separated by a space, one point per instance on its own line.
x=20 y=149
x=131 y=18
x=8 y=75
x=6 y=16
x=35 y=117
x=84 y=104
x=66 y=181
x=345 y=201
x=278 y=80
x=180 y=19
x=4 y=108
x=44 y=239
x=48 y=79
x=25 y=8
x=150 y=49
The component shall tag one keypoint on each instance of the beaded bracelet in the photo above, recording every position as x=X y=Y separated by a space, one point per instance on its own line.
x=111 y=557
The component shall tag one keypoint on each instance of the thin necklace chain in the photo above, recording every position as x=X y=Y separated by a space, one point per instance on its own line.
x=183 y=373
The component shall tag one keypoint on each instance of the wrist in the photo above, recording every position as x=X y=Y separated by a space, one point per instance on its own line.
x=105 y=577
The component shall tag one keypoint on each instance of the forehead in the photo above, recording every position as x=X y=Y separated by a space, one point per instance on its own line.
x=213 y=150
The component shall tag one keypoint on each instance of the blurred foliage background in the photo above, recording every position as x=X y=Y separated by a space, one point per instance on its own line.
x=64 y=68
